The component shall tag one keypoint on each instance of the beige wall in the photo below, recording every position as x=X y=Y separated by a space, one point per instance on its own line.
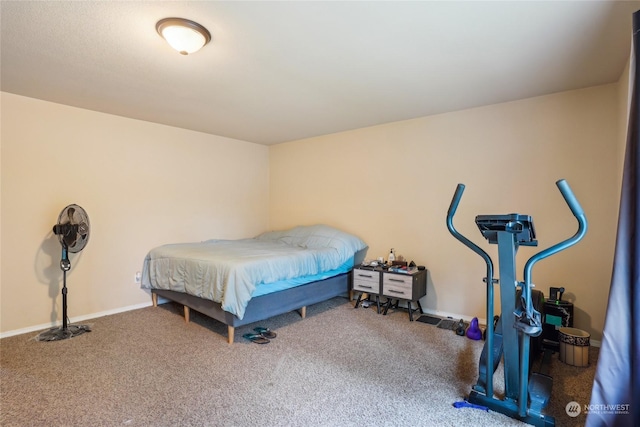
x=392 y=185
x=142 y=185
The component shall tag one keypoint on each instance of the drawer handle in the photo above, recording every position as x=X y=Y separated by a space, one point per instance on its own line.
x=396 y=280
x=367 y=287
x=396 y=292
x=365 y=275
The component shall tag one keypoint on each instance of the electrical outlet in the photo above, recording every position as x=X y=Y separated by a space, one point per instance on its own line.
x=138 y=277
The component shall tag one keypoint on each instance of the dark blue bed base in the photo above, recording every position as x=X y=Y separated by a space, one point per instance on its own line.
x=265 y=306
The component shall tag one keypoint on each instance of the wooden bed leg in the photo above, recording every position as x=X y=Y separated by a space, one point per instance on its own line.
x=230 y=334
x=154 y=299
x=186 y=314
x=303 y=312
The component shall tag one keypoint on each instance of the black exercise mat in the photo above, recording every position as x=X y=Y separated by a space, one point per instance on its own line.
x=429 y=319
x=448 y=324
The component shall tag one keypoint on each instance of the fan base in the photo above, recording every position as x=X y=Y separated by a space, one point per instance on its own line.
x=60 y=333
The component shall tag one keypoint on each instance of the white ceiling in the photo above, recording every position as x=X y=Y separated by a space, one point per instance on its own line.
x=281 y=71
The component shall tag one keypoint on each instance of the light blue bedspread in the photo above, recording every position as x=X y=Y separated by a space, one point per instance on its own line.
x=228 y=271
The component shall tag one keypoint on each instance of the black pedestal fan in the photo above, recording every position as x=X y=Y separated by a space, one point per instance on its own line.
x=72 y=230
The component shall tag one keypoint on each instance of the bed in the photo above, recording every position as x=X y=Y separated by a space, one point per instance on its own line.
x=238 y=282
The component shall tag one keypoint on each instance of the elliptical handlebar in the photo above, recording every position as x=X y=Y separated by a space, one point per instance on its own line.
x=453 y=207
x=529 y=312
x=578 y=212
x=529 y=319
x=570 y=198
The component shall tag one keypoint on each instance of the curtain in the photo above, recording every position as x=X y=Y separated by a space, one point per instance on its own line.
x=615 y=397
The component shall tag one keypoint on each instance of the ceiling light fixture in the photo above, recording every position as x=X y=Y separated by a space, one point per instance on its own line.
x=183 y=35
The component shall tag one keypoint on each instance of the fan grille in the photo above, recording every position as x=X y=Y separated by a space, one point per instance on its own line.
x=73 y=228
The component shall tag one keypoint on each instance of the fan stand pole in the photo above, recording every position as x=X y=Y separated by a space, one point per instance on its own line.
x=65 y=325
x=65 y=265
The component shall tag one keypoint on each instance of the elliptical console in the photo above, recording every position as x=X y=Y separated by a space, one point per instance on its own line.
x=520 y=225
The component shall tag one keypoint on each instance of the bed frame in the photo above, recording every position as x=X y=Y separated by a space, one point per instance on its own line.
x=264 y=306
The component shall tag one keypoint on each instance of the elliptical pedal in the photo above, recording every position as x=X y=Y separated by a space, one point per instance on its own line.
x=481 y=385
x=540 y=384
x=539 y=392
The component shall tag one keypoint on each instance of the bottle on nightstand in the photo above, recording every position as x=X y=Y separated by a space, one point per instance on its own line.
x=392 y=256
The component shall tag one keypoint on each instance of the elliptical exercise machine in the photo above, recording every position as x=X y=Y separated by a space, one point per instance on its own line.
x=525 y=395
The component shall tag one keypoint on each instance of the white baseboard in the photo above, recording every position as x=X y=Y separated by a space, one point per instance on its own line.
x=45 y=326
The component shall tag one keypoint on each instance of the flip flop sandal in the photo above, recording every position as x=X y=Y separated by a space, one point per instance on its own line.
x=266 y=333
x=256 y=338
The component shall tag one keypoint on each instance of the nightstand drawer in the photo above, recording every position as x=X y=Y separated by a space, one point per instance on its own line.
x=397 y=289
x=409 y=286
x=397 y=280
x=404 y=286
x=366 y=281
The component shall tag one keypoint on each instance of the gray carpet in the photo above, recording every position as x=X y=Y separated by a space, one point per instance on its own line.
x=338 y=367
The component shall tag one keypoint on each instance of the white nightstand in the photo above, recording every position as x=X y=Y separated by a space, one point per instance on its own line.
x=366 y=280
x=404 y=286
